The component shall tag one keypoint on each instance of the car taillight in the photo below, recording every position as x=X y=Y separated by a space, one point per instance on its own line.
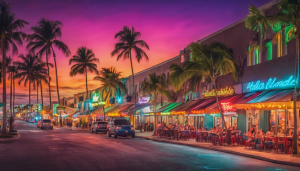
x=107 y=126
x=98 y=126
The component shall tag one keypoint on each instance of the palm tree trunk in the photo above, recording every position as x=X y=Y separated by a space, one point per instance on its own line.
x=295 y=94
x=132 y=78
x=217 y=101
x=49 y=80
x=42 y=95
x=14 y=93
x=104 y=112
x=87 y=94
x=37 y=97
x=10 y=105
x=154 y=125
x=4 y=123
x=29 y=95
x=54 y=56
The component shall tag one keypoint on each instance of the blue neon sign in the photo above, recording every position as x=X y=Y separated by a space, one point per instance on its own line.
x=272 y=83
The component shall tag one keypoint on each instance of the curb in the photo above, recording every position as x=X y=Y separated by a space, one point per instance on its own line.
x=225 y=151
x=10 y=139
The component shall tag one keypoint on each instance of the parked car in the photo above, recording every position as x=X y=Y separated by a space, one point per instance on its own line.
x=121 y=127
x=46 y=124
x=99 y=126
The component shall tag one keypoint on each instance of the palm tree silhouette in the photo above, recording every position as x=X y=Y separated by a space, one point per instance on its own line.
x=45 y=36
x=128 y=42
x=84 y=61
x=10 y=35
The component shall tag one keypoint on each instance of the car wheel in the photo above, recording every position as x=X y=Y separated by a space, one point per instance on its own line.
x=108 y=134
x=115 y=135
x=133 y=136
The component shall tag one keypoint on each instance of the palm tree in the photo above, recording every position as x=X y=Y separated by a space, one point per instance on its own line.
x=12 y=69
x=7 y=63
x=111 y=82
x=43 y=39
x=30 y=69
x=128 y=41
x=210 y=62
x=84 y=61
x=10 y=35
x=152 y=86
x=289 y=15
x=39 y=77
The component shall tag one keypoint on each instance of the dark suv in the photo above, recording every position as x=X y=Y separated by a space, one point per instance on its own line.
x=121 y=127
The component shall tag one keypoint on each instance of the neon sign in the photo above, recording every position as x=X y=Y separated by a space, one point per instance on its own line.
x=227 y=108
x=144 y=99
x=272 y=83
x=220 y=92
x=95 y=98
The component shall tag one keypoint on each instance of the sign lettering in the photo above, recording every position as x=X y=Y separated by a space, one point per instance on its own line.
x=272 y=83
x=220 y=92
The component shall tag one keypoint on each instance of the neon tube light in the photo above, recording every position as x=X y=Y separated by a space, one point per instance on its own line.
x=272 y=83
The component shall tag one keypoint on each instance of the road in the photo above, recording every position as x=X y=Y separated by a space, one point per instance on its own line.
x=63 y=149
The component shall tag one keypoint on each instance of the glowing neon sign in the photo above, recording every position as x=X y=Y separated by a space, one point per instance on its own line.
x=272 y=83
x=227 y=107
x=95 y=98
x=144 y=99
x=221 y=92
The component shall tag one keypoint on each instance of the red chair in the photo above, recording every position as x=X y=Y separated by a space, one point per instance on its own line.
x=280 y=142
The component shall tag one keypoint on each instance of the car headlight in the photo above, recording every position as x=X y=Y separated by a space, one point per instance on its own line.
x=132 y=128
x=118 y=127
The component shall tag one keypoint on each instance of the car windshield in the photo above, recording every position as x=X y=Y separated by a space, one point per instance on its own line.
x=47 y=121
x=122 y=122
x=102 y=123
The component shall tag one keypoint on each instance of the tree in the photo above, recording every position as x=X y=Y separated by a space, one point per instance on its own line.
x=241 y=62
x=45 y=36
x=111 y=83
x=289 y=16
x=10 y=35
x=128 y=42
x=31 y=68
x=152 y=86
x=210 y=62
x=39 y=77
x=12 y=69
x=84 y=61
x=7 y=63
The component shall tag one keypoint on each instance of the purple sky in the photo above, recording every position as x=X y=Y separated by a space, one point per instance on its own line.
x=167 y=27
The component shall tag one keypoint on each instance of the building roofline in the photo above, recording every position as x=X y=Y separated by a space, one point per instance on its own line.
x=159 y=64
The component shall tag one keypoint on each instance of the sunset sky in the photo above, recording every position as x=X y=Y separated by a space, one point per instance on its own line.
x=167 y=27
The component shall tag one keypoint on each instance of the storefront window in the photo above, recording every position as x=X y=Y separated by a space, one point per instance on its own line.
x=234 y=122
x=201 y=122
x=281 y=122
x=191 y=120
x=290 y=122
x=227 y=121
x=272 y=121
x=218 y=121
x=253 y=118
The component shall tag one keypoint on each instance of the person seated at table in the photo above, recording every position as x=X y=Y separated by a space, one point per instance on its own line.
x=259 y=134
x=217 y=128
x=269 y=134
x=290 y=133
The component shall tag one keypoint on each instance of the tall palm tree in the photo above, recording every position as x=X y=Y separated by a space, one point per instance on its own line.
x=111 y=82
x=39 y=77
x=45 y=36
x=289 y=16
x=10 y=35
x=84 y=61
x=210 y=62
x=7 y=63
x=152 y=86
x=128 y=42
x=12 y=69
x=30 y=69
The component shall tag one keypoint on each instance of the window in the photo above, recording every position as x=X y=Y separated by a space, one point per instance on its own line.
x=269 y=50
x=279 y=44
x=253 y=57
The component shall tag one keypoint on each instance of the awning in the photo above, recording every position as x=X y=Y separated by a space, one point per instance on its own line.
x=116 y=111
x=273 y=96
x=181 y=109
x=200 y=107
x=165 y=110
x=99 y=111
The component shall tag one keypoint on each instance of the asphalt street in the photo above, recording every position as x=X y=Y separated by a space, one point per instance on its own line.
x=62 y=149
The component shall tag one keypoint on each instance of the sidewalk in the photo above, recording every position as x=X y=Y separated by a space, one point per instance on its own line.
x=273 y=157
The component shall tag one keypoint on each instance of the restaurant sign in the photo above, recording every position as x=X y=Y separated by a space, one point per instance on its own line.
x=226 y=107
x=144 y=99
x=220 y=92
x=272 y=83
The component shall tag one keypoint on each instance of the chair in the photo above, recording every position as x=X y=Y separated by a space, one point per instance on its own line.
x=281 y=142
